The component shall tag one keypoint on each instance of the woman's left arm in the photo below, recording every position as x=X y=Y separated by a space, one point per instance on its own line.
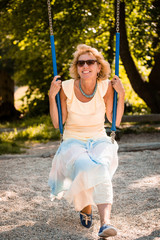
x=115 y=84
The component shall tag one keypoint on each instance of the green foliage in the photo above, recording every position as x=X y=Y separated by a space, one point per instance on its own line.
x=25 y=44
x=37 y=129
x=28 y=129
x=10 y=147
x=140 y=129
x=143 y=21
x=133 y=104
x=28 y=122
x=37 y=133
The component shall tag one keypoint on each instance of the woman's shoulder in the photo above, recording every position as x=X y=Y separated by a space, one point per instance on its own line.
x=67 y=82
x=103 y=86
x=67 y=86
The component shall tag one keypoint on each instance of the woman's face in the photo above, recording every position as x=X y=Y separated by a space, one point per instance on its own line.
x=88 y=69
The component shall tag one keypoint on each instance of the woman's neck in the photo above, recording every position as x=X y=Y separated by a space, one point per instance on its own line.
x=88 y=86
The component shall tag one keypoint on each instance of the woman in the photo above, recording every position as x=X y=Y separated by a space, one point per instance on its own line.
x=86 y=159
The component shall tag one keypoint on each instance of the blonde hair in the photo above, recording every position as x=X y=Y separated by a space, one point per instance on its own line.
x=82 y=49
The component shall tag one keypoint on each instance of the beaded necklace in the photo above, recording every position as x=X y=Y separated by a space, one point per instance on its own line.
x=84 y=94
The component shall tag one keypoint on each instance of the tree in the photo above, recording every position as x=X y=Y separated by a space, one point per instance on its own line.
x=25 y=41
x=142 y=42
x=27 y=31
x=7 y=109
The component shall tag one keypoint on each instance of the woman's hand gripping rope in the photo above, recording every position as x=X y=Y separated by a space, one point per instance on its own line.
x=117 y=85
x=55 y=87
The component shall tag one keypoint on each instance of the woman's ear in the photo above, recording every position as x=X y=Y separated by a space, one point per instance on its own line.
x=99 y=67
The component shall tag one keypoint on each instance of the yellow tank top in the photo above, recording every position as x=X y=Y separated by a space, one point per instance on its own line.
x=85 y=120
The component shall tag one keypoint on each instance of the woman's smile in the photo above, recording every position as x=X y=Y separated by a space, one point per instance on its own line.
x=85 y=71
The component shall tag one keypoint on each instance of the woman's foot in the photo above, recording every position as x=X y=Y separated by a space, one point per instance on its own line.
x=86 y=216
x=107 y=231
x=86 y=219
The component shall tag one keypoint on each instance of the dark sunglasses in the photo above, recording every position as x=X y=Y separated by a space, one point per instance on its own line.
x=89 y=62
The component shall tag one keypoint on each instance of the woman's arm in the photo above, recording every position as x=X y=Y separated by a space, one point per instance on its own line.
x=54 y=89
x=116 y=84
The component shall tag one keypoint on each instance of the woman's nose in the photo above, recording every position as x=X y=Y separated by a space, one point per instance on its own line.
x=85 y=64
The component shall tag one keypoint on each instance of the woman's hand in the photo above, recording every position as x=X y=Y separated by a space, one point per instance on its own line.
x=55 y=87
x=117 y=85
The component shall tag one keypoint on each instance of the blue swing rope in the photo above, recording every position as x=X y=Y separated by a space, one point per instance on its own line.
x=55 y=66
x=113 y=128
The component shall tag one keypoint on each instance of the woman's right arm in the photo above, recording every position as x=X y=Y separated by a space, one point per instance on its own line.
x=54 y=89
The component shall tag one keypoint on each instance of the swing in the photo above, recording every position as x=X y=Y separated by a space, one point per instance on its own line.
x=113 y=128
x=55 y=67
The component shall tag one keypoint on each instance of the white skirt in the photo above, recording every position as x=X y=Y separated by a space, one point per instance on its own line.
x=83 y=171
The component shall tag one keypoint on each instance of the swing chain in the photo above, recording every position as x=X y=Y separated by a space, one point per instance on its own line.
x=113 y=136
x=50 y=17
x=117 y=15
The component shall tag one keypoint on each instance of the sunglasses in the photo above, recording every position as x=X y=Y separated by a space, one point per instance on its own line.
x=89 y=62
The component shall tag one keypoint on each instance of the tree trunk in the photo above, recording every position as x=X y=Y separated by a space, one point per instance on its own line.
x=7 y=109
x=148 y=91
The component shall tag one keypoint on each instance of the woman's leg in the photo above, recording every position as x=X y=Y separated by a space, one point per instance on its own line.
x=103 y=196
x=87 y=210
x=106 y=229
x=104 y=213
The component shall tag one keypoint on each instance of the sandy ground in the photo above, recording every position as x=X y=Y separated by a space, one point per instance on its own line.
x=26 y=211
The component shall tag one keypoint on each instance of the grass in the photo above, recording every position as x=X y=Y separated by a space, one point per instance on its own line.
x=140 y=128
x=26 y=122
x=37 y=129
x=10 y=147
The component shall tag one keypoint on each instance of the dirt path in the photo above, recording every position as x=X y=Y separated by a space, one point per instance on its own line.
x=26 y=211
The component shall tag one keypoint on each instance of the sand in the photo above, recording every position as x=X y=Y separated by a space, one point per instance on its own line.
x=26 y=211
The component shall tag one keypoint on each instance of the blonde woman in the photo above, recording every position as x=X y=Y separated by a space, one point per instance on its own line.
x=86 y=157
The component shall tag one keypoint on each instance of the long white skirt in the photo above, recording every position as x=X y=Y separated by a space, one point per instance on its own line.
x=83 y=171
